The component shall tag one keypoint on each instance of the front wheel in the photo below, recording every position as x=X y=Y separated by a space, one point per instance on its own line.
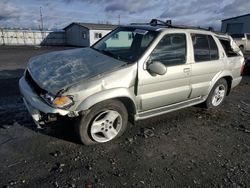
x=217 y=94
x=105 y=121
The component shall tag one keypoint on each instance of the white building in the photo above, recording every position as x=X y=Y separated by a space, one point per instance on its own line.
x=31 y=37
x=86 y=34
x=236 y=25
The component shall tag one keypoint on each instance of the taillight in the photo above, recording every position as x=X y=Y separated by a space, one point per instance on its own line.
x=242 y=68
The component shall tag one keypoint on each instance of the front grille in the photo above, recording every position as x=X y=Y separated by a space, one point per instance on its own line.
x=33 y=84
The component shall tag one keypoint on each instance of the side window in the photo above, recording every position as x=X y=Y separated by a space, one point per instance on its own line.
x=171 y=50
x=201 y=48
x=227 y=47
x=248 y=36
x=205 y=48
x=84 y=35
x=98 y=35
x=214 y=52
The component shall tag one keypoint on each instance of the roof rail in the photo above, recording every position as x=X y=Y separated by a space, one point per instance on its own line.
x=168 y=23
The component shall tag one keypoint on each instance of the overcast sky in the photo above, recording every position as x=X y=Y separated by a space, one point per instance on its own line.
x=59 y=13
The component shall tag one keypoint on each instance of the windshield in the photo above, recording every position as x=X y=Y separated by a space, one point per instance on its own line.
x=126 y=44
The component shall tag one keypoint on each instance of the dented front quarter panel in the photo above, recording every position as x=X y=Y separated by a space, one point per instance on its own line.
x=109 y=85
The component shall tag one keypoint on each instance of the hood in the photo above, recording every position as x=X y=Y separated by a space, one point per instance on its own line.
x=57 y=70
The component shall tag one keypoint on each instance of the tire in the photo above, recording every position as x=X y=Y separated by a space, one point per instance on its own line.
x=217 y=94
x=103 y=122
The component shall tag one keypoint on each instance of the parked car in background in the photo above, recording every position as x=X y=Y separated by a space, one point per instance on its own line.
x=243 y=41
x=135 y=72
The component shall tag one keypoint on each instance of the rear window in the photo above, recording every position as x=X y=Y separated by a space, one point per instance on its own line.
x=205 y=48
x=227 y=48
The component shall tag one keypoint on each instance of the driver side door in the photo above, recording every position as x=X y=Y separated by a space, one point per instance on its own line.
x=156 y=91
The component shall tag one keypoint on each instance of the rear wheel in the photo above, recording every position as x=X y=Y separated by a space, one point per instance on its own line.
x=217 y=94
x=103 y=122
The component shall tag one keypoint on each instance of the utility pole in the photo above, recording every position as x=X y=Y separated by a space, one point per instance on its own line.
x=41 y=18
x=119 y=19
x=2 y=36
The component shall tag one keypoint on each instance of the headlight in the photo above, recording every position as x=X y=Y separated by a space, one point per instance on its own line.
x=63 y=102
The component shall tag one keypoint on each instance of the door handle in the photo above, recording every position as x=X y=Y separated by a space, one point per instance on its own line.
x=186 y=70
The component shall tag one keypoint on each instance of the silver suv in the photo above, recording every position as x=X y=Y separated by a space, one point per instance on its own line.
x=135 y=72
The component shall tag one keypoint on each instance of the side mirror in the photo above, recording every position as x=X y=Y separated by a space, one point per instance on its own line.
x=157 y=67
x=244 y=38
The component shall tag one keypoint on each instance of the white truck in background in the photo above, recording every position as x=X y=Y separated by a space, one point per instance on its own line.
x=243 y=41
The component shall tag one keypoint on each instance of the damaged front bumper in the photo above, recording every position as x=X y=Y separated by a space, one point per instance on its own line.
x=40 y=111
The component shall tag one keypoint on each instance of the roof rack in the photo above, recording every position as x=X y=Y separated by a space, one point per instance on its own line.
x=155 y=22
x=168 y=23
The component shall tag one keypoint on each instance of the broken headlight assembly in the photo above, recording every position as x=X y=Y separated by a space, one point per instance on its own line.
x=62 y=102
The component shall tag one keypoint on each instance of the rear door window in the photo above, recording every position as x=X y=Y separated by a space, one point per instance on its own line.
x=214 y=52
x=205 y=48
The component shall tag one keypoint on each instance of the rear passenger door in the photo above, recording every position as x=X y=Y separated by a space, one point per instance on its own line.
x=206 y=64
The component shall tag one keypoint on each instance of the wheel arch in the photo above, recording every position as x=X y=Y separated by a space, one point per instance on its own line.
x=130 y=106
x=124 y=95
x=225 y=75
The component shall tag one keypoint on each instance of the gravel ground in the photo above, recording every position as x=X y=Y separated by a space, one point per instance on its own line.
x=192 y=147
